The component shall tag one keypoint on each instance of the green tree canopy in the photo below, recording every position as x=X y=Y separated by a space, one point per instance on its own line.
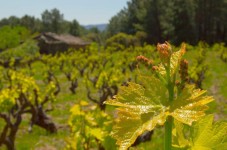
x=181 y=21
x=12 y=36
x=52 y=21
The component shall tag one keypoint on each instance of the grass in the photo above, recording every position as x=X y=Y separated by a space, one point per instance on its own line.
x=39 y=139
x=215 y=81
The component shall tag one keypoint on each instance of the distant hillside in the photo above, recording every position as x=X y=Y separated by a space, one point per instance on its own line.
x=101 y=27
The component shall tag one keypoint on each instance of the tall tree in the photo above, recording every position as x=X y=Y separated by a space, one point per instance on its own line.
x=184 y=22
x=52 y=21
x=178 y=21
x=211 y=20
x=13 y=21
x=119 y=23
x=75 y=28
x=31 y=23
x=152 y=21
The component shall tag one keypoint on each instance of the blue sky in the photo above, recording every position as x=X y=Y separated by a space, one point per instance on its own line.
x=84 y=11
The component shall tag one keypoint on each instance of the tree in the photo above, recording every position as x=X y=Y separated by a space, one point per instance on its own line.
x=52 y=21
x=75 y=28
x=12 y=36
x=4 y=22
x=184 y=22
x=118 y=23
x=13 y=21
x=181 y=21
x=211 y=20
x=31 y=23
x=152 y=22
x=141 y=15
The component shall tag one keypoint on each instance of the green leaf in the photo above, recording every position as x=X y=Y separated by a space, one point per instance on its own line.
x=175 y=59
x=140 y=109
x=131 y=125
x=208 y=135
x=97 y=132
x=7 y=99
x=76 y=111
x=179 y=138
x=144 y=106
x=190 y=105
x=222 y=146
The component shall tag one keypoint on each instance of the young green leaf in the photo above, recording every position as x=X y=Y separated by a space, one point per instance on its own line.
x=140 y=109
x=178 y=135
x=98 y=133
x=145 y=105
x=190 y=105
x=7 y=99
x=209 y=136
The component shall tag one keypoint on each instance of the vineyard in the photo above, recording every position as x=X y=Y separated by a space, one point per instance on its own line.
x=64 y=101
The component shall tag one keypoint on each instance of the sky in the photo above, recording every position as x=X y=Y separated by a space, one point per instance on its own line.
x=86 y=12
